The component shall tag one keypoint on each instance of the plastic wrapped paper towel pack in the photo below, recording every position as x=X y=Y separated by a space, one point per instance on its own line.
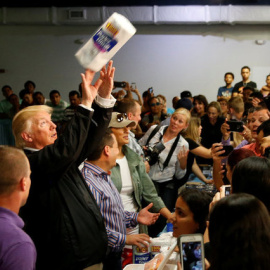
x=106 y=42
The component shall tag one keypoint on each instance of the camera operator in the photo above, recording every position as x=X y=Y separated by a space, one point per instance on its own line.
x=166 y=151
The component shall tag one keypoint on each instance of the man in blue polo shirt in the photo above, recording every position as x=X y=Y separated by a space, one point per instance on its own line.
x=17 y=250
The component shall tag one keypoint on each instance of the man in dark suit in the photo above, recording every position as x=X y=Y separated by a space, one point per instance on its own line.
x=61 y=215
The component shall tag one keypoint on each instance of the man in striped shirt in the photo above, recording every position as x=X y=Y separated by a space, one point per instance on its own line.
x=96 y=172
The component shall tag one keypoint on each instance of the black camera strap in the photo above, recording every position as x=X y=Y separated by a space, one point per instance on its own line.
x=152 y=134
x=155 y=130
x=166 y=162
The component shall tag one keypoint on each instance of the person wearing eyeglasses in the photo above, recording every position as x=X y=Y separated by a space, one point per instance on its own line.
x=130 y=177
x=154 y=117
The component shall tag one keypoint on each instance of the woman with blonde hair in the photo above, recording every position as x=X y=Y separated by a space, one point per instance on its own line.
x=192 y=136
x=168 y=157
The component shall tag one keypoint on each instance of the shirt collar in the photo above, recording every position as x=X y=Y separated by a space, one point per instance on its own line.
x=95 y=169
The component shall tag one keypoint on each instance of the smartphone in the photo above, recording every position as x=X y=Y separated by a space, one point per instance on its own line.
x=133 y=85
x=236 y=126
x=191 y=251
x=119 y=84
x=227 y=189
x=150 y=90
x=228 y=149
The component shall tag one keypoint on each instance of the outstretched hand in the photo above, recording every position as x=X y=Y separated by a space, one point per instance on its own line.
x=107 y=77
x=89 y=91
x=147 y=218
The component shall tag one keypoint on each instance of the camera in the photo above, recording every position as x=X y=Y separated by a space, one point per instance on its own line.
x=150 y=90
x=120 y=84
x=236 y=125
x=152 y=153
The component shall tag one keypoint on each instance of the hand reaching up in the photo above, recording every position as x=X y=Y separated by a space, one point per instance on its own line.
x=89 y=91
x=107 y=77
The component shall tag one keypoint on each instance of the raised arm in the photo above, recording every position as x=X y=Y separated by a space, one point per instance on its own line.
x=136 y=91
x=128 y=91
x=89 y=91
x=107 y=77
x=217 y=165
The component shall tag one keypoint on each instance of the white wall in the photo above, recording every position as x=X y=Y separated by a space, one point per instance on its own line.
x=169 y=58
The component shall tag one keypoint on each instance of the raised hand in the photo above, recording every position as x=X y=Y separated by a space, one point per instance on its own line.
x=107 y=77
x=225 y=130
x=147 y=218
x=182 y=157
x=89 y=91
x=247 y=134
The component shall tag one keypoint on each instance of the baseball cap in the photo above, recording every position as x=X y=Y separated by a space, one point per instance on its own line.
x=185 y=94
x=184 y=103
x=120 y=120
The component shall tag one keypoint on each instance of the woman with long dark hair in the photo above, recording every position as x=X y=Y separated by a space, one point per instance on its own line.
x=239 y=234
x=200 y=104
x=252 y=175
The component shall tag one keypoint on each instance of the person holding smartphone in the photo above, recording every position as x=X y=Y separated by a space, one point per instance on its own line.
x=256 y=116
x=190 y=217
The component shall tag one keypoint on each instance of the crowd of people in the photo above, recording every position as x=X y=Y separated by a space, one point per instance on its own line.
x=88 y=180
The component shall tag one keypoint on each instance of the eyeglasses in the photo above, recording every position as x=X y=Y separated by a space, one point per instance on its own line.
x=121 y=117
x=155 y=104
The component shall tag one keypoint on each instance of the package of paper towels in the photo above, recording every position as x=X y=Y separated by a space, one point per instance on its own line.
x=106 y=42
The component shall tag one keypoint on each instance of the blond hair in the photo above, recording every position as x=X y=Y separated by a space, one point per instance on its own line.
x=22 y=121
x=237 y=104
x=183 y=111
x=192 y=131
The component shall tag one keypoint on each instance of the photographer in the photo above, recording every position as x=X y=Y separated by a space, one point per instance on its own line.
x=168 y=164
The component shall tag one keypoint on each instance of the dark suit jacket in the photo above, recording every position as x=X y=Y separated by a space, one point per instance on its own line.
x=61 y=214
